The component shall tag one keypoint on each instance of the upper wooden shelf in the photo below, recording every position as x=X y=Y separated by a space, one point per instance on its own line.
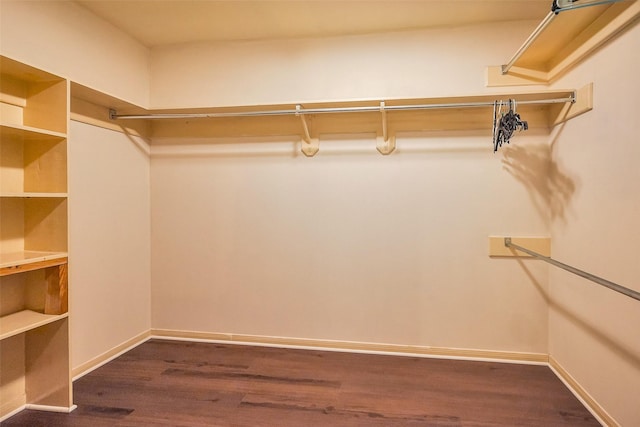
x=32 y=99
x=26 y=73
x=91 y=106
x=570 y=37
x=542 y=109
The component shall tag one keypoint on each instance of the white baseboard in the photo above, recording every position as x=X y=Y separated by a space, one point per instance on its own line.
x=106 y=357
x=48 y=408
x=354 y=346
x=12 y=412
x=581 y=394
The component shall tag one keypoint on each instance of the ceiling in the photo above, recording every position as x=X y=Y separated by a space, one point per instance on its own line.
x=161 y=22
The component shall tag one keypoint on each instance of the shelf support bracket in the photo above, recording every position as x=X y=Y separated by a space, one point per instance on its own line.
x=310 y=146
x=56 y=299
x=582 y=103
x=385 y=144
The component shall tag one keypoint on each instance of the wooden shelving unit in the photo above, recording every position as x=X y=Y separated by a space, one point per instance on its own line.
x=570 y=37
x=34 y=330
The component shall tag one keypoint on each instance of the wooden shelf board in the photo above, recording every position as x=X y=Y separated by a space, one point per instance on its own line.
x=570 y=37
x=17 y=262
x=566 y=26
x=25 y=320
x=24 y=72
x=389 y=102
x=92 y=107
x=28 y=133
x=438 y=119
x=29 y=195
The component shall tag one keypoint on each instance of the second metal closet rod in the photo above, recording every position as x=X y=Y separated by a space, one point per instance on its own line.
x=302 y=111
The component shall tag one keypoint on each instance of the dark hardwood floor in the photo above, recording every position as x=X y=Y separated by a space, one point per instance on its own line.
x=175 y=383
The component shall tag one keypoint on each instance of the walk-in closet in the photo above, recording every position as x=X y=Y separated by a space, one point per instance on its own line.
x=319 y=213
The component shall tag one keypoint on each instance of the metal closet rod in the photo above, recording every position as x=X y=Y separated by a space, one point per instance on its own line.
x=599 y=280
x=555 y=10
x=302 y=111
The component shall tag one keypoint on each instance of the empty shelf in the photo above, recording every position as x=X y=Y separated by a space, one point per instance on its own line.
x=18 y=262
x=25 y=320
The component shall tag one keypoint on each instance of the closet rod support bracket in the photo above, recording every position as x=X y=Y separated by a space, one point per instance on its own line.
x=113 y=114
x=310 y=146
x=385 y=143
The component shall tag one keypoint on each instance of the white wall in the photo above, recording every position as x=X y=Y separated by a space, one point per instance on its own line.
x=68 y=40
x=439 y=62
x=594 y=332
x=109 y=238
x=348 y=245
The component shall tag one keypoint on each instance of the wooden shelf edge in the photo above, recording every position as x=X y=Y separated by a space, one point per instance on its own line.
x=24 y=321
x=20 y=262
x=29 y=195
x=517 y=76
x=28 y=132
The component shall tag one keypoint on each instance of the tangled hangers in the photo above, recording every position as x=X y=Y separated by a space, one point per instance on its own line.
x=505 y=124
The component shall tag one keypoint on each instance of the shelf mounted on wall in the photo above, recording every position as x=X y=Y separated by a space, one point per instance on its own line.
x=572 y=30
x=543 y=109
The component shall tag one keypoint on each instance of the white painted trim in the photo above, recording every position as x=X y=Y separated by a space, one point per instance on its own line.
x=354 y=347
x=12 y=413
x=48 y=408
x=600 y=414
x=108 y=356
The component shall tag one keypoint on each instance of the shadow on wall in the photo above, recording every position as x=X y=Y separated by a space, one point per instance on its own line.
x=550 y=189
x=589 y=326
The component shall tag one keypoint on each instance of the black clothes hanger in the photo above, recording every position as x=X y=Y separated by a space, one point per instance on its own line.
x=505 y=124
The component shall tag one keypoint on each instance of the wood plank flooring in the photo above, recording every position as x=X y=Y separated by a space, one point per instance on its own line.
x=176 y=383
